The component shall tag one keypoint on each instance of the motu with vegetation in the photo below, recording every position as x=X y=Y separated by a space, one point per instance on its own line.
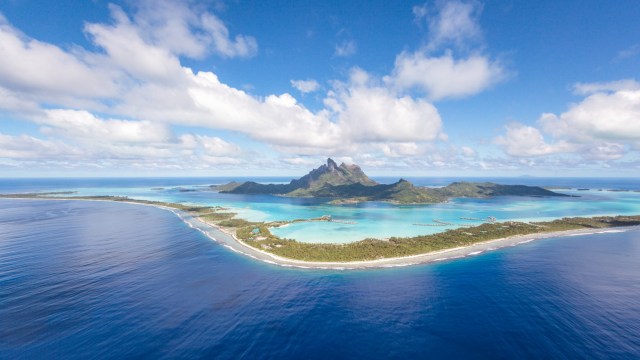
x=258 y=235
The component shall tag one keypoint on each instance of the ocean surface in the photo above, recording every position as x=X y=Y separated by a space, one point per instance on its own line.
x=590 y=197
x=85 y=280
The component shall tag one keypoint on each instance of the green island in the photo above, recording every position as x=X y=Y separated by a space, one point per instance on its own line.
x=349 y=184
x=258 y=236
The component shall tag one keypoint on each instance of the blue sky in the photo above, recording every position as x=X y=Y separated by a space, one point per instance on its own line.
x=442 y=88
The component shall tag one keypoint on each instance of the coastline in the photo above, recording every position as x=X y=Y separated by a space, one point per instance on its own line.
x=230 y=241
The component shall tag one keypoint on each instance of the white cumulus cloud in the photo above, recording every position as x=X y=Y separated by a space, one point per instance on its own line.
x=80 y=124
x=28 y=147
x=188 y=28
x=305 y=86
x=591 y=88
x=603 y=126
x=451 y=63
x=144 y=91
x=522 y=140
x=443 y=76
x=31 y=66
x=368 y=112
x=451 y=22
x=611 y=112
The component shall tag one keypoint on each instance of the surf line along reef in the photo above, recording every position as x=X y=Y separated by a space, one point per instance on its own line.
x=255 y=238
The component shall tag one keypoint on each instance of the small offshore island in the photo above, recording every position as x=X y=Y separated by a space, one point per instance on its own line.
x=348 y=184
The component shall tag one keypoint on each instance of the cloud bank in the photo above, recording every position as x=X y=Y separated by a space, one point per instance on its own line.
x=121 y=101
x=604 y=125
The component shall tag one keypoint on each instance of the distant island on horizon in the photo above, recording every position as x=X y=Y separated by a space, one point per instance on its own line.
x=349 y=184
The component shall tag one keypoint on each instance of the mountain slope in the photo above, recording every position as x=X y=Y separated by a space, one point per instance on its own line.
x=329 y=174
x=486 y=189
x=348 y=183
x=332 y=174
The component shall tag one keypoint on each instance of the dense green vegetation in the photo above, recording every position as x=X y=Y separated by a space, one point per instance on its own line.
x=218 y=216
x=402 y=192
x=481 y=190
x=236 y=223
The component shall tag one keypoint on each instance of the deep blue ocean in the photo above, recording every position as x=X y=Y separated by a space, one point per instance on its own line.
x=82 y=280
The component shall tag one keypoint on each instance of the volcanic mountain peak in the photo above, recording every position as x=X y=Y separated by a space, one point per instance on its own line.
x=332 y=174
x=348 y=183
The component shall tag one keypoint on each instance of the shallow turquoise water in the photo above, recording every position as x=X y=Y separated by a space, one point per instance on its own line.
x=382 y=220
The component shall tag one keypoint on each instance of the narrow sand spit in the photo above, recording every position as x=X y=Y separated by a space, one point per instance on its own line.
x=232 y=242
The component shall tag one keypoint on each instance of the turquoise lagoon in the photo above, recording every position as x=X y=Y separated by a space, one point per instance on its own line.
x=382 y=220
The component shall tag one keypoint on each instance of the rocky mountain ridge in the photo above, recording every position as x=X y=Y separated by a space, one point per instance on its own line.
x=348 y=184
